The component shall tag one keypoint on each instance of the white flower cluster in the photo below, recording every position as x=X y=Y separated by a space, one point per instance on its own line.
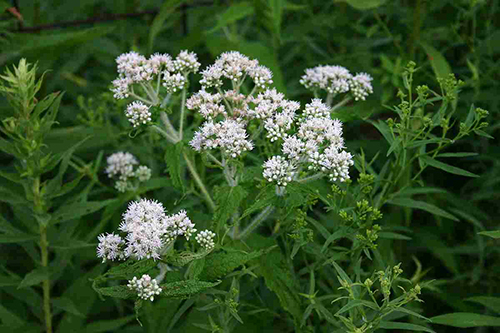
x=279 y=170
x=121 y=164
x=145 y=287
x=134 y=68
x=235 y=67
x=138 y=113
x=338 y=80
x=317 y=144
x=229 y=135
x=148 y=231
x=206 y=239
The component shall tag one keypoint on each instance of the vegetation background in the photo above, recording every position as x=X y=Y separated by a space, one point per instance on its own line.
x=77 y=43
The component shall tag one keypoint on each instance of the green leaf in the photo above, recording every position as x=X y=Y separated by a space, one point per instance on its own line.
x=18 y=238
x=173 y=155
x=393 y=235
x=343 y=232
x=79 y=209
x=492 y=303
x=465 y=320
x=392 y=325
x=411 y=313
x=448 y=168
x=219 y=264
x=122 y=292
x=34 y=277
x=493 y=234
x=7 y=281
x=9 y=319
x=363 y=4
x=186 y=289
x=357 y=303
x=66 y=304
x=438 y=62
x=234 y=13
x=282 y=282
x=457 y=154
x=423 y=142
x=484 y=134
x=384 y=129
x=184 y=258
x=265 y=198
x=228 y=199
x=167 y=8
x=71 y=245
x=410 y=203
x=107 y=325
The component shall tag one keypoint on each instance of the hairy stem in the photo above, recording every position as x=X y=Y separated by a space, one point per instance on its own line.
x=198 y=181
x=255 y=222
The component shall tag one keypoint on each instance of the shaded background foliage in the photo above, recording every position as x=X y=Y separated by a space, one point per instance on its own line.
x=444 y=36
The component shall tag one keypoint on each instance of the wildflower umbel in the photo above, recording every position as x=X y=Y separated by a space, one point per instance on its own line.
x=148 y=230
x=206 y=239
x=138 y=113
x=145 y=287
x=122 y=165
x=337 y=80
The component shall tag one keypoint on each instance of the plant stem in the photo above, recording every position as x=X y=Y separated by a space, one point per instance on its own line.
x=255 y=222
x=46 y=283
x=198 y=181
x=183 y=102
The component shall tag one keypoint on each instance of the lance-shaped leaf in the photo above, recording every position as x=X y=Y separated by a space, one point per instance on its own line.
x=446 y=167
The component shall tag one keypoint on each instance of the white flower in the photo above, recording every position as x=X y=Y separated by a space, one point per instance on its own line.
x=121 y=164
x=279 y=170
x=138 y=113
x=361 y=86
x=160 y=62
x=293 y=147
x=179 y=225
x=211 y=77
x=145 y=287
x=145 y=225
x=229 y=135
x=261 y=76
x=110 y=247
x=334 y=79
x=316 y=109
x=206 y=239
x=186 y=62
x=174 y=82
x=143 y=173
x=209 y=105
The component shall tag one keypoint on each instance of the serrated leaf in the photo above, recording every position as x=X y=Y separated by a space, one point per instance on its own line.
x=445 y=167
x=282 y=282
x=219 y=264
x=78 y=209
x=185 y=289
x=364 y=4
x=234 y=13
x=228 y=199
x=465 y=320
x=492 y=303
x=35 y=277
x=167 y=8
x=410 y=203
x=184 y=258
x=129 y=269
x=392 y=325
x=265 y=198
x=493 y=234
x=122 y=292
x=173 y=159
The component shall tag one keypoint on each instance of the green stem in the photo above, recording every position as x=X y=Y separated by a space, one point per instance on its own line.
x=255 y=222
x=44 y=244
x=183 y=102
x=198 y=181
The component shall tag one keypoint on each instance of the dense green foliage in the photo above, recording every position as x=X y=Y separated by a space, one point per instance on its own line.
x=408 y=243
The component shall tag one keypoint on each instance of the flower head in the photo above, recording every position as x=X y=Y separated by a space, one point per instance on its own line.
x=145 y=287
x=138 y=113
